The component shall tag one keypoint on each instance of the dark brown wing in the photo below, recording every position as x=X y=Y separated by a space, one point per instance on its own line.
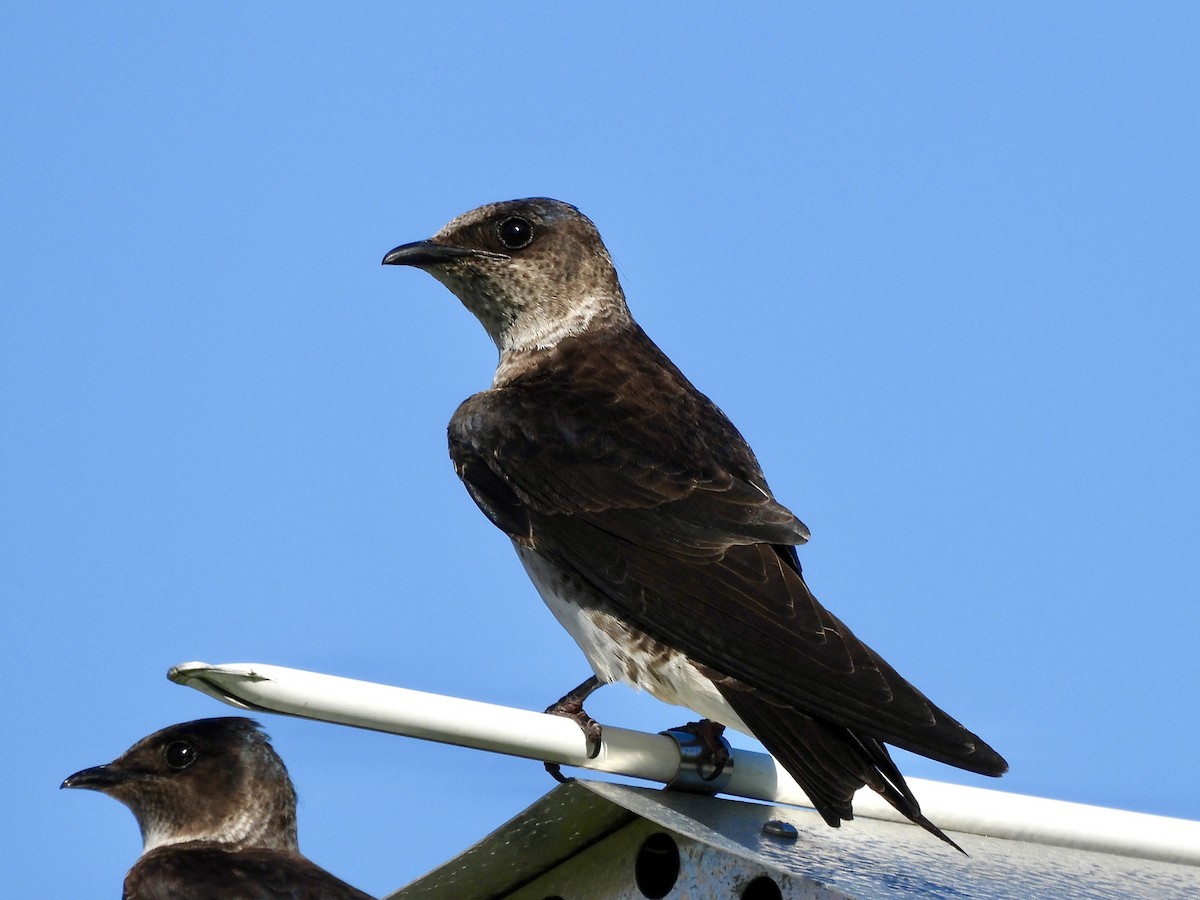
x=633 y=442
x=605 y=459
x=204 y=872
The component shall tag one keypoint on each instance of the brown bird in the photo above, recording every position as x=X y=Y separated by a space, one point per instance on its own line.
x=217 y=812
x=644 y=520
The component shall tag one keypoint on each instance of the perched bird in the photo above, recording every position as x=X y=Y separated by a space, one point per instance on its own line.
x=217 y=812
x=644 y=520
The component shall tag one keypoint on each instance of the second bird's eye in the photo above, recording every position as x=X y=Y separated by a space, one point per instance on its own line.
x=516 y=232
x=179 y=754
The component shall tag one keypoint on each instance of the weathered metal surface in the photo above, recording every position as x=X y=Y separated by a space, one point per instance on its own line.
x=583 y=839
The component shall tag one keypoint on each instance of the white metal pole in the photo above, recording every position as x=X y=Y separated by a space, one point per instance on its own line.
x=533 y=735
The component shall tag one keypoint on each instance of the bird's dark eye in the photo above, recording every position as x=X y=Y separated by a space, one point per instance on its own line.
x=179 y=754
x=516 y=232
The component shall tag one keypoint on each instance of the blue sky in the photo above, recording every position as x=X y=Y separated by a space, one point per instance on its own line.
x=939 y=263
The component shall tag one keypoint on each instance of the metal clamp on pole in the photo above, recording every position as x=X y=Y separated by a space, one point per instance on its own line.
x=698 y=773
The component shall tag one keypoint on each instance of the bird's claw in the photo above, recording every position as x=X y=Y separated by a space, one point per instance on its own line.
x=570 y=706
x=555 y=772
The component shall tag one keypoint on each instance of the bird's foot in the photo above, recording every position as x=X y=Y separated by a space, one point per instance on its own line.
x=554 y=770
x=570 y=706
x=716 y=753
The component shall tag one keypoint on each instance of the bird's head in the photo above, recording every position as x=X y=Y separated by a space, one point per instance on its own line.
x=532 y=271
x=209 y=780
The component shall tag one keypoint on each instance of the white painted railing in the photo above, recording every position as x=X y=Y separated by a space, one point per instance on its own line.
x=535 y=735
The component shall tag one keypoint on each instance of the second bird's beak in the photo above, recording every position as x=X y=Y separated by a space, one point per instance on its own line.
x=97 y=778
x=430 y=253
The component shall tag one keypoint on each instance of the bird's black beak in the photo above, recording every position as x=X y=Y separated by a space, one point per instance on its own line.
x=429 y=253
x=97 y=778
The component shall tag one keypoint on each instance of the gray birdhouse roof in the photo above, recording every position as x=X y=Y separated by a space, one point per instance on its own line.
x=589 y=839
